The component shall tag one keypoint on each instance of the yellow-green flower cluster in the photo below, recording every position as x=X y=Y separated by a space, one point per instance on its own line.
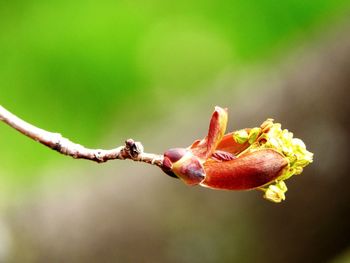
x=293 y=149
x=270 y=135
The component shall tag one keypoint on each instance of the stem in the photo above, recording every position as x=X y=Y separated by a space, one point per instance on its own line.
x=131 y=150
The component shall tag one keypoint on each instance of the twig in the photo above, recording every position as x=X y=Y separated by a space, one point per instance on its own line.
x=131 y=150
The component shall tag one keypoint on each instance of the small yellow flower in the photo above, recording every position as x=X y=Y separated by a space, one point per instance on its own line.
x=241 y=136
x=276 y=192
x=253 y=134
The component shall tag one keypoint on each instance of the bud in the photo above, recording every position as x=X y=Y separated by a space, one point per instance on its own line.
x=254 y=158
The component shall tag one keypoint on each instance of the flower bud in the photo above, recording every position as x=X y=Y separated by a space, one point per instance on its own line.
x=253 y=158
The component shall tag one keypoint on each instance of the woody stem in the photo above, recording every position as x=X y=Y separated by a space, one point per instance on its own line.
x=131 y=150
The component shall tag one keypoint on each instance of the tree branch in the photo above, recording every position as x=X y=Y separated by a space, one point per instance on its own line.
x=131 y=150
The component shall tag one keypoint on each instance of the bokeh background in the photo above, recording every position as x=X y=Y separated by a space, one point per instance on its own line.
x=100 y=72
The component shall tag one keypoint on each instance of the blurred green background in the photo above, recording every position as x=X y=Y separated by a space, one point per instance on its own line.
x=101 y=72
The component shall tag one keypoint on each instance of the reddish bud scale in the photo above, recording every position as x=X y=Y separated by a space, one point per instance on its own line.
x=249 y=171
x=190 y=170
x=228 y=144
x=206 y=147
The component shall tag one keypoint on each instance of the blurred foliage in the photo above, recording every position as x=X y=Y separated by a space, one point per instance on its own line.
x=82 y=67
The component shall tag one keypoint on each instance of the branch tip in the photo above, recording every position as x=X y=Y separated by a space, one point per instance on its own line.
x=131 y=150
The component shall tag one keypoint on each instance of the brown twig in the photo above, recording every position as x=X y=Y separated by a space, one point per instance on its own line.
x=131 y=150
